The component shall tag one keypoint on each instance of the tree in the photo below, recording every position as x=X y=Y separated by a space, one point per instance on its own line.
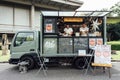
x=105 y=9
x=116 y=9
x=113 y=32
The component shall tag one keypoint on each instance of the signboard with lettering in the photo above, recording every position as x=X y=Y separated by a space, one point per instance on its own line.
x=68 y=19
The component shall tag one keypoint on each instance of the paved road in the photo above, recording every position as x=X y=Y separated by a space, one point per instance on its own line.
x=10 y=72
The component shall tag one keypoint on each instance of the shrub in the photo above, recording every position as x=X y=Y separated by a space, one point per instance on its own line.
x=115 y=46
x=113 y=32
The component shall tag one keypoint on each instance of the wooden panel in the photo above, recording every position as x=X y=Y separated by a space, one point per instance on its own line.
x=101 y=65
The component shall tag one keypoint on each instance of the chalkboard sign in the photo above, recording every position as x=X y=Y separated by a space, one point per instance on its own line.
x=65 y=45
x=80 y=44
x=50 y=46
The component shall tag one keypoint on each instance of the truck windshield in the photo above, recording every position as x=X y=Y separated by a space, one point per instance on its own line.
x=23 y=37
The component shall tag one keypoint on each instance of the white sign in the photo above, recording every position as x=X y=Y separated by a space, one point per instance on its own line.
x=81 y=52
x=102 y=54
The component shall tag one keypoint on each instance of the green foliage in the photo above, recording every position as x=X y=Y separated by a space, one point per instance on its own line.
x=115 y=45
x=113 y=20
x=116 y=9
x=113 y=31
x=0 y=48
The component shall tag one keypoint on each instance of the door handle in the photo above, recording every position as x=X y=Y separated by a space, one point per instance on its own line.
x=32 y=49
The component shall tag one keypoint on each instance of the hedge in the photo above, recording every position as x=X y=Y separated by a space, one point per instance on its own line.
x=115 y=46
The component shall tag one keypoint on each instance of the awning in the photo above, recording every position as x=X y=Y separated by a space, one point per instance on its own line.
x=76 y=13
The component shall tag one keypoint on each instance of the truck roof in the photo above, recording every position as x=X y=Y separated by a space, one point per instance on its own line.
x=76 y=13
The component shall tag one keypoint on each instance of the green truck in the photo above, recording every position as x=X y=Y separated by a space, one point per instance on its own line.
x=57 y=44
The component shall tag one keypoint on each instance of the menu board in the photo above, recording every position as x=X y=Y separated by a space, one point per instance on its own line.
x=80 y=44
x=50 y=46
x=99 y=41
x=65 y=45
x=102 y=54
x=92 y=42
x=95 y=41
x=49 y=25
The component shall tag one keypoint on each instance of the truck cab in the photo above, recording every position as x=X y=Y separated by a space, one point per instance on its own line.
x=24 y=46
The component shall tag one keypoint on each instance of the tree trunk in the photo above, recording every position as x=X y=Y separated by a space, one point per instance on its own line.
x=109 y=37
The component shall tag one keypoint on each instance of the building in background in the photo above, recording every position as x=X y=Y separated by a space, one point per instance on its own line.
x=17 y=15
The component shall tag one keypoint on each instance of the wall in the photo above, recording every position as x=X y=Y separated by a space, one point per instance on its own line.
x=16 y=17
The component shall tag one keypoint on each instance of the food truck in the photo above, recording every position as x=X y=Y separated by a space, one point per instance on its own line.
x=63 y=38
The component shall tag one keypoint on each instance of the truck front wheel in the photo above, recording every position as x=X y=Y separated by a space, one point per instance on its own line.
x=30 y=61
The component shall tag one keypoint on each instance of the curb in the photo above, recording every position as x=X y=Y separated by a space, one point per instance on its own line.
x=115 y=60
x=4 y=62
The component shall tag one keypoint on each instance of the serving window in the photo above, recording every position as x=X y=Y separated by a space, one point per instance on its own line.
x=77 y=27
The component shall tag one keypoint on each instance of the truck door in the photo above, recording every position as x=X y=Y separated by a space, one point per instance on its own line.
x=24 y=43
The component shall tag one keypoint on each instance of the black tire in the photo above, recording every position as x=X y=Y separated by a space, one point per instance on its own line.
x=80 y=63
x=30 y=60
